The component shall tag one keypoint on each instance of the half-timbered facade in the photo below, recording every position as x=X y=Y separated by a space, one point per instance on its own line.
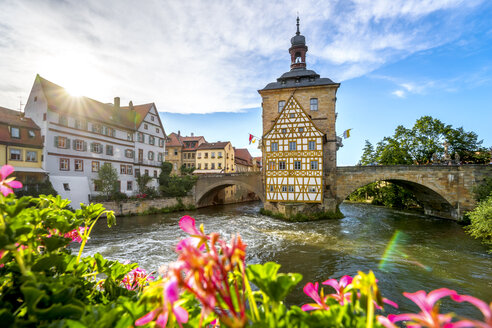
x=294 y=157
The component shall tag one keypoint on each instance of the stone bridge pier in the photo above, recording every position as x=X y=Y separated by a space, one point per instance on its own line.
x=444 y=190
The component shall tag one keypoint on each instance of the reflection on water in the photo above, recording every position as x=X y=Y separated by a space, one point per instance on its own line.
x=430 y=253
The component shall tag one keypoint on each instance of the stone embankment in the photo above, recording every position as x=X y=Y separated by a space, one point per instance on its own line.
x=144 y=206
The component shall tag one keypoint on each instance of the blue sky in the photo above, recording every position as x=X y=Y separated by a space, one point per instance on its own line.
x=202 y=62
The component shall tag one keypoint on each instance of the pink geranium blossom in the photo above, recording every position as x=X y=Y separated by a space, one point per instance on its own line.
x=136 y=279
x=7 y=184
x=485 y=308
x=341 y=296
x=171 y=296
x=429 y=315
x=311 y=290
x=75 y=234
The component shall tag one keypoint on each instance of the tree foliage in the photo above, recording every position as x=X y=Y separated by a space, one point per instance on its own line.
x=172 y=185
x=483 y=190
x=107 y=180
x=481 y=222
x=418 y=145
x=142 y=183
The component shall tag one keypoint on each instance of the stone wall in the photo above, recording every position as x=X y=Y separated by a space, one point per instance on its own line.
x=139 y=206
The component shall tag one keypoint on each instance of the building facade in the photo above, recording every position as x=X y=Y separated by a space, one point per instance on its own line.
x=215 y=157
x=190 y=145
x=299 y=99
x=21 y=146
x=243 y=160
x=173 y=153
x=82 y=134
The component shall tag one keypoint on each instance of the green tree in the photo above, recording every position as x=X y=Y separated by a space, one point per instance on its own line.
x=418 y=144
x=483 y=190
x=368 y=154
x=481 y=222
x=142 y=182
x=173 y=185
x=108 y=180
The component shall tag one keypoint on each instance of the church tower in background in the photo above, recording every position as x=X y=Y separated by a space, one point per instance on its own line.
x=299 y=141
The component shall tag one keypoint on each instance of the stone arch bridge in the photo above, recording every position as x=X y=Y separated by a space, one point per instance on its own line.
x=444 y=190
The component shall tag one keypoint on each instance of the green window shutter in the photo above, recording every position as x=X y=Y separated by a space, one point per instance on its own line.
x=56 y=142
x=73 y=144
x=68 y=143
x=85 y=146
x=92 y=147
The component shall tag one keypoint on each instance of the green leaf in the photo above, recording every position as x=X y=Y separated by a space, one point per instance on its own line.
x=275 y=286
x=54 y=242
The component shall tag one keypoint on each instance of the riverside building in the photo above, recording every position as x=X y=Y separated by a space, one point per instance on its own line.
x=81 y=134
x=299 y=138
x=215 y=157
x=21 y=146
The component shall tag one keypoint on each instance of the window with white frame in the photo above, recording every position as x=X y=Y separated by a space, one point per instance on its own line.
x=141 y=137
x=284 y=188
x=292 y=188
x=31 y=134
x=64 y=164
x=281 y=105
x=292 y=145
x=129 y=153
x=129 y=185
x=274 y=146
x=14 y=132
x=15 y=154
x=122 y=169
x=314 y=103
x=96 y=148
x=79 y=145
x=95 y=166
x=312 y=145
x=31 y=156
x=151 y=140
x=297 y=165
x=150 y=155
x=62 y=142
x=314 y=165
x=78 y=165
x=281 y=165
x=159 y=157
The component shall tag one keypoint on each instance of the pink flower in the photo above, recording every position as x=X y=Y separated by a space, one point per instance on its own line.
x=198 y=238
x=429 y=317
x=311 y=290
x=136 y=279
x=485 y=308
x=6 y=185
x=75 y=234
x=340 y=296
x=171 y=295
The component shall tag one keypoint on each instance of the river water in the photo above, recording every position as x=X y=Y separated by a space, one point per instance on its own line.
x=428 y=253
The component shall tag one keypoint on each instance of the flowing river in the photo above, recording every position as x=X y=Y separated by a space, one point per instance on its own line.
x=426 y=253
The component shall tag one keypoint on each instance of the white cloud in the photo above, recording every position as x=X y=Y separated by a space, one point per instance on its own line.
x=204 y=56
x=399 y=93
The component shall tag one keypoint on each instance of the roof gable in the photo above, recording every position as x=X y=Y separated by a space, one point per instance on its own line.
x=291 y=118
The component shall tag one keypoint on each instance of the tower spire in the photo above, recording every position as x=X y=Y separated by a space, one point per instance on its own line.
x=298 y=49
x=297 y=33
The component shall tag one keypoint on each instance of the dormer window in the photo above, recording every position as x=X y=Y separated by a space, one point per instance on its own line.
x=281 y=105
x=14 y=132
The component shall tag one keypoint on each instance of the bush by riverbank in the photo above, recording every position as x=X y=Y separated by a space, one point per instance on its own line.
x=151 y=206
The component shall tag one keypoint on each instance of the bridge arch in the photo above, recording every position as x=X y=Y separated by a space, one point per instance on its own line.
x=428 y=187
x=207 y=185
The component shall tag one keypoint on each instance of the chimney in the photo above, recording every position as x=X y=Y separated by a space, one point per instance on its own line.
x=117 y=102
x=130 y=104
x=192 y=134
x=179 y=133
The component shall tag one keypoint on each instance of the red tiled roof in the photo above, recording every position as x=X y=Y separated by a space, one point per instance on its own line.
x=192 y=143
x=213 y=145
x=9 y=117
x=59 y=100
x=173 y=141
x=242 y=156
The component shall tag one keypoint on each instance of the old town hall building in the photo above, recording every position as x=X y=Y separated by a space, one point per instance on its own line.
x=299 y=138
